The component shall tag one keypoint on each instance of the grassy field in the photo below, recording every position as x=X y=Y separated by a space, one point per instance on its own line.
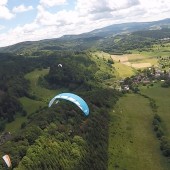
x=153 y=53
x=119 y=70
x=138 y=58
x=105 y=70
x=101 y=54
x=132 y=142
x=44 y=94
x=123 y=71
x=15 y=125
x=32 y=105
x=162 y=98
x=156 y=50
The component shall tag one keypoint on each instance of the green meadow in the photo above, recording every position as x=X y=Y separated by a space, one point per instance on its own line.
x=44 y=95
x=15 y=125
x=162 y=98
x=123 y=71
x=155 y=51
x=132 y=142
x=105 y=69
x=29 y=106
x=141 y=58
x=118 y=70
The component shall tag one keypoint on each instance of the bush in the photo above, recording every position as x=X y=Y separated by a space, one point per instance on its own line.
x=23 y=125
x=156 y=127
x=110 y=61
x=157 y=117
x=155 y=122
x=165 y=146
x=2 y=126
x=159 y=133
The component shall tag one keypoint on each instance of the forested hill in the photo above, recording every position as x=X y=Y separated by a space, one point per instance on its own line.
x=138 y=40
x=59 y=136
x=91 y=40
x=13 y=84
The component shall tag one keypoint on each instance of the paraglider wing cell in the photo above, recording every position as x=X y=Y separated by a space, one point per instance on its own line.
x=73 y=98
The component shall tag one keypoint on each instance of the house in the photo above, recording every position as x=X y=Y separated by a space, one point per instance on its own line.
x=119 y=88
x=126 y=87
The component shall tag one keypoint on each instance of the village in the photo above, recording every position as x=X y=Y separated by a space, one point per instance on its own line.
x=146 y=77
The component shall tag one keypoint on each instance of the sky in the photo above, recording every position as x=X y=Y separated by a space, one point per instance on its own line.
x=32 y=20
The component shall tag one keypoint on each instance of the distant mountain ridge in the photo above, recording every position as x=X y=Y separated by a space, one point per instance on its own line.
x=119 y=28
x=86 y=40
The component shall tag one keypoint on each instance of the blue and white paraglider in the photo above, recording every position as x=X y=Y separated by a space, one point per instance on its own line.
x=72 y=98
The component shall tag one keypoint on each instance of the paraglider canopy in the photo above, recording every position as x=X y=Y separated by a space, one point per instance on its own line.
x=73 y=98
x=60 y=65
x=7 y=160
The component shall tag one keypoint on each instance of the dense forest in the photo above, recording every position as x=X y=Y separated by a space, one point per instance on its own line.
x=13 y=84
x=60 y=136
x=139 y=40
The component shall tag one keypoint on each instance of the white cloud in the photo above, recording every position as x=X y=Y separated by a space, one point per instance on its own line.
x=4 y=11
x=21 y=8
x=2 y=27
x=87 y=13
x=86 y=16
x=21 y=33
x=96 y=6
x=51 y=3
x=155 y=10
x=122 y=4
x=3 y=2
x=60 y=18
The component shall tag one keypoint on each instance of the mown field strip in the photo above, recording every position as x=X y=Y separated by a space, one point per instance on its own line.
x=132 y=142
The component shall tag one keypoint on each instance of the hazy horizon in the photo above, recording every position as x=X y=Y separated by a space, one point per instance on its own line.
x=21 y=20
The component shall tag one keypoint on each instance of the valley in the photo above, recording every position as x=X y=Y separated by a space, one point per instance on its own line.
x=123 y=76
x=132 y=142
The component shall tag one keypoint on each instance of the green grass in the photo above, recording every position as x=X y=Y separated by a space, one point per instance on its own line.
x=156 y=50
x=102 y=54
x=101 y=60
x=132 y=142
x=43 y=93
x=32 y=105
x=15 y=125
x=139 y=58
x=162 y=98
x=119 y=70
x=155 y=53
x=123 y=71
